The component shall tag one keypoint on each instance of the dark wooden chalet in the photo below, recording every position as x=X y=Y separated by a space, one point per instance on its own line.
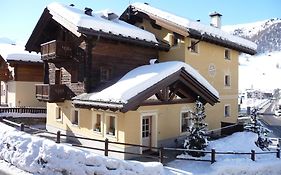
x=84 y=60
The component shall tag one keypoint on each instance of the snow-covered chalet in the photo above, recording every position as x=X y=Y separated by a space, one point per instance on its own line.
x=19 y=72
x=102 y=79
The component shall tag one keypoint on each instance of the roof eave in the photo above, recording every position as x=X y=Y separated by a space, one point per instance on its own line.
x=112 y=36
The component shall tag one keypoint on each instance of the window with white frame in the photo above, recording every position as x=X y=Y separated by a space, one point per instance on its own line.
x=227 y=54
x=58 y=114
x=186 y=120
x=111 y=125
x=227 y=111
x=227 y=80
x=194 y=46
x=75 y=117
x=97 y=122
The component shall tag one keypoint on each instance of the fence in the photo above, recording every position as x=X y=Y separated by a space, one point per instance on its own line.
x=22 y=110
x=106 y=142
x=213 y=153
x=161 y=150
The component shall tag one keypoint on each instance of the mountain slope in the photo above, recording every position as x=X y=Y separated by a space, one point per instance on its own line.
x=266 y=34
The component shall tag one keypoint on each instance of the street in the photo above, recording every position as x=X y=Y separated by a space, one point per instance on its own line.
x=271 y=121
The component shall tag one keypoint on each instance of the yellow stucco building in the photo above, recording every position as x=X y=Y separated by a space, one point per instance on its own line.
x=212 y=52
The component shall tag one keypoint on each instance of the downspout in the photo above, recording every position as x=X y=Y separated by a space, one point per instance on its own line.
x=201 y=38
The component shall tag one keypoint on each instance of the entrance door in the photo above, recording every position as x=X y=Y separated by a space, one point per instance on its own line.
x=146 y=131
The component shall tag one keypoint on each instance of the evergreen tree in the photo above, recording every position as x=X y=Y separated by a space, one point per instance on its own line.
x=256 y=127
x=197 y=139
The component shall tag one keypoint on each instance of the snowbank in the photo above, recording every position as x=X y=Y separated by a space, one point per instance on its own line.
x=41 y=156
x=266 y=164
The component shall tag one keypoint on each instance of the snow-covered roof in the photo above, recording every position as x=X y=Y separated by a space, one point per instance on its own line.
x=140 y=79
x=11 y=52
x=190 y=25
x=73 y=18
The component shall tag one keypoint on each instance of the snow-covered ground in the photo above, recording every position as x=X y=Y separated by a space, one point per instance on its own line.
x=230 y=164
x=42 y=156
x=45 y=157
x=261 y=72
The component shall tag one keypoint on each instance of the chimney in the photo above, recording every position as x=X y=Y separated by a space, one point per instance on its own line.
x=88 y=11
x=215 y=19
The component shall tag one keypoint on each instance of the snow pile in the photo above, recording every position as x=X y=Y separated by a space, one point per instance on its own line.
x=188 y=24
x=72 y=18
x=144 y=77
x=261 y=72
x=265 y=164
x=11 y=52
x=41 y=156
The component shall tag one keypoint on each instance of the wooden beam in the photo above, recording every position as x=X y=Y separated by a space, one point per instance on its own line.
x=175 y=101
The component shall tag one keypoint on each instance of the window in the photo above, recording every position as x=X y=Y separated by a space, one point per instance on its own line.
x=97 y=125
x=59 y=113
x=75 y=117
x=186 y=121
x=193 y=46
x=227 y=111
x=111 y=125
x=105 y=74
x=227 y=54
x=227 y=80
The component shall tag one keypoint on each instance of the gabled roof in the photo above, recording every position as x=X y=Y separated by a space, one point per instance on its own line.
x=143 y=82
x=190 y=28
x=104 y=23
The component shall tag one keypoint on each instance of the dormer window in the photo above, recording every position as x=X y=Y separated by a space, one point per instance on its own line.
x=105 y=74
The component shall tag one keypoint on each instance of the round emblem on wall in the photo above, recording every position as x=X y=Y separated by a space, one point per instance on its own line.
x=212 y=70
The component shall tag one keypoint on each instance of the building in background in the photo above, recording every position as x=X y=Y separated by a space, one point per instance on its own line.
x=19 y=72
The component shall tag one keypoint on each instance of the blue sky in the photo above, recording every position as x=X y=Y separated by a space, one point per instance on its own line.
x=18 y=17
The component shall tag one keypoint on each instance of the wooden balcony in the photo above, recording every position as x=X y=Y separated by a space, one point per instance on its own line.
x=57 y=50
x=51 y=92
x=4 y=74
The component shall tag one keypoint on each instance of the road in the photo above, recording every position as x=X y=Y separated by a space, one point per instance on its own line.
x=271 y=121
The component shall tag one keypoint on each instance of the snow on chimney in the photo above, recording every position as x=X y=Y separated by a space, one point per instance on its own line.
x=88 y=11
x=215 y=19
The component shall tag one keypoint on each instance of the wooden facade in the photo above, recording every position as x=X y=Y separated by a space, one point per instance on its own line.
x=83 y=64
x=27 y=71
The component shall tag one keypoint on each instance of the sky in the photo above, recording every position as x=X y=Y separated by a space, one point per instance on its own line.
x=19 y=17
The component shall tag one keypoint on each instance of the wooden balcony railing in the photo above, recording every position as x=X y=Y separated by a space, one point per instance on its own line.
x=51 y=92
x=56 y=50
x=4 y=74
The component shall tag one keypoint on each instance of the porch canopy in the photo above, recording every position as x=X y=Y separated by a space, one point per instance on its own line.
x=155 y=84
